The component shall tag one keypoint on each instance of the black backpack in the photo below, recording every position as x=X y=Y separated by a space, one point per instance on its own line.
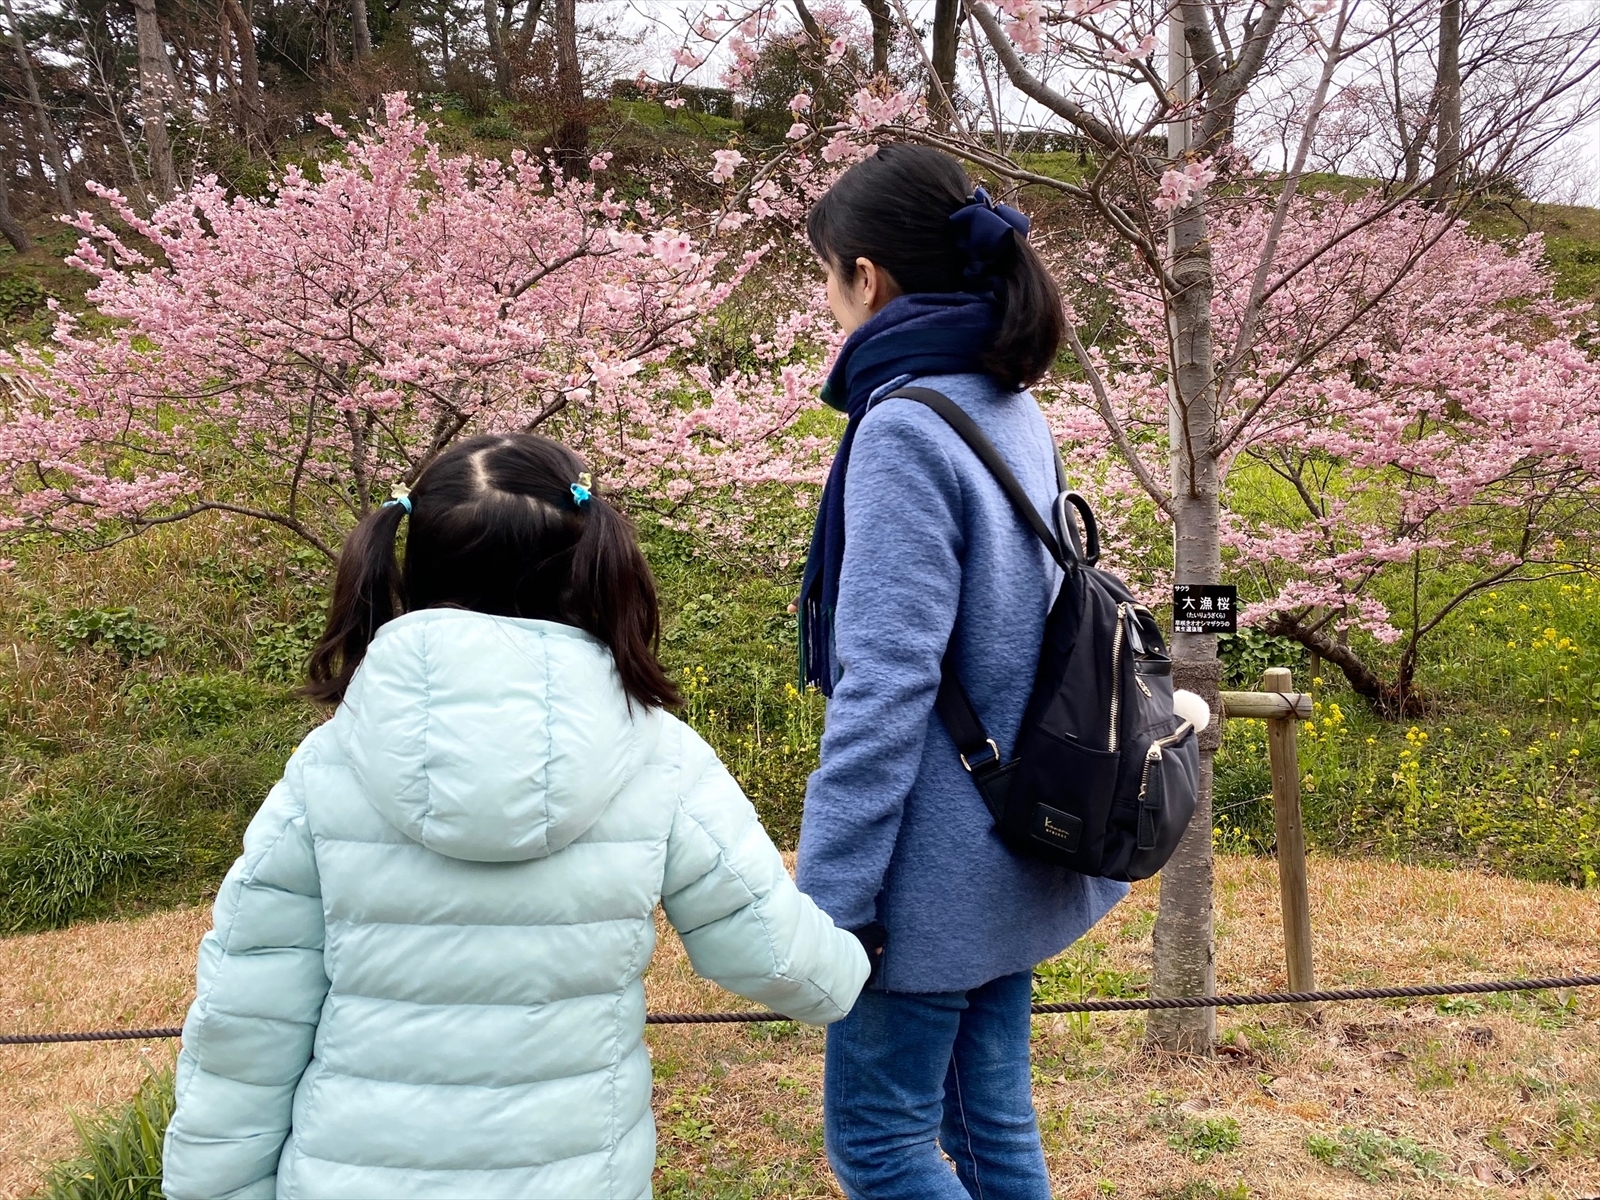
x=1105 y=777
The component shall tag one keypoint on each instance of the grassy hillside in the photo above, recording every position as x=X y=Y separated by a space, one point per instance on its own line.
x=146 y=698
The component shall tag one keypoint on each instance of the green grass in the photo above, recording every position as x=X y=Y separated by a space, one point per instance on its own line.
x=146 y=709
x=57 y=862
x=1374 y=1157
x=146 y=702
x=653 y=115
x=1203 y=1140
x=119 y=1152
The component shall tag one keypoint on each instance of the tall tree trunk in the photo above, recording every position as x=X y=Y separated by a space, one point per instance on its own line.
x=819 y=56
x=47 y=132
x=30 y=151
x=530 y=25
x=156 y=86
x=882 y=31
x=1447 y=91
x=497 y=48
x=572 y=129
x=10 y=228
x=942 y=87
x=360 y=31
x=253 y=116
x=1184 y=961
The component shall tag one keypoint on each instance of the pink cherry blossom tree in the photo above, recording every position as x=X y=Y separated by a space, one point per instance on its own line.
x=293 y=358
x=1416 y=420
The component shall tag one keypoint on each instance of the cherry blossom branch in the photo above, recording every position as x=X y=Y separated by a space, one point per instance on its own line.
x=1119 y=435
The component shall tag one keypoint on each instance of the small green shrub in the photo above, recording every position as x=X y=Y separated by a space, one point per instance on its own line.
x=495 y=129
x=282 y=649
x=20 y=297
x=1246 y=654
x=118 y=629
x=56 y=861
x=194 y=705
x=119 y=1152
x=1371 y=1156
x=1083 y=974
x=1203 y=1140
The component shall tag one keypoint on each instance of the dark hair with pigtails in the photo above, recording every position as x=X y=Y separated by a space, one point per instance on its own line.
x=898 y=209
x=504 y=524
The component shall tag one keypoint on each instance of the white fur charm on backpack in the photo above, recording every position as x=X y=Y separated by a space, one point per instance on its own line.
x=1187 y=706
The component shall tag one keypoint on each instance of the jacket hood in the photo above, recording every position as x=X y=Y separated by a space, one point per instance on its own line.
x=490 y=738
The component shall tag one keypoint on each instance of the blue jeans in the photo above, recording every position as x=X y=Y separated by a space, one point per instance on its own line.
x=910 y=1073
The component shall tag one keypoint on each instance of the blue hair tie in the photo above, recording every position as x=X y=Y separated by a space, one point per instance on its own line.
x=403 y=501
x=982 y=227
x=580 y=495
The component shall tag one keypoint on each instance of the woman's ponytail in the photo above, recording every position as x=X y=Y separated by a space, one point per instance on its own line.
x=613 y=596
x=1032 y=323
x=366 y=593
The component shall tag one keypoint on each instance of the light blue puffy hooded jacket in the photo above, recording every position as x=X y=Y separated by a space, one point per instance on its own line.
x=423 y=977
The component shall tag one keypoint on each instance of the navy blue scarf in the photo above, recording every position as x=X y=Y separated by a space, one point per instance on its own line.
x=922 y=334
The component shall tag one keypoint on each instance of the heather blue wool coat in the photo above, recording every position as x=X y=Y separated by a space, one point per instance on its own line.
x=424 y=973
x=894 y=830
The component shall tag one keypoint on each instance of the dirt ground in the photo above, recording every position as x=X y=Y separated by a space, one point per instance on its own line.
x=1487 y=1095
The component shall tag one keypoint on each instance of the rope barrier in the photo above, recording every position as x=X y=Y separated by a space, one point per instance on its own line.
x=1135 y=1004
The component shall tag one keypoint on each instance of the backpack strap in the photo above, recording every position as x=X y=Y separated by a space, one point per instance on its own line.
x=979 y=754
x=978 y=442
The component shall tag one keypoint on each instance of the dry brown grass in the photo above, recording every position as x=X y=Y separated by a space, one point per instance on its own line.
x=1507 y=1095
x=123 y=974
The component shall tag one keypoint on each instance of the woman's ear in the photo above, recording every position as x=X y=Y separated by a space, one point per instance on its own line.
x=873 y=287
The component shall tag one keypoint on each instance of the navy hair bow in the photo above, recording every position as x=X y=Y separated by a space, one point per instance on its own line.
x=982 y=227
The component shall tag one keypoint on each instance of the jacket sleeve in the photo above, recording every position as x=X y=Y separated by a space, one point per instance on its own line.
x=744 y=923
x=249 y=1033
x=899 y=590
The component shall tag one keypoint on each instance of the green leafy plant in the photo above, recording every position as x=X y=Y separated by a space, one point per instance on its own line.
x=118 y=629
x=1203 y=1140
x=56 y=861
x=1082 y=973
x=1372 y=1156
x=20 y=297
x=119 y=1151
x=1249 y=652
x=194 y=705
x=282 y=648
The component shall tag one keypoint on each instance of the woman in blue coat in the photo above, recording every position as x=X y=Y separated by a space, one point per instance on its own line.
x=917 y=553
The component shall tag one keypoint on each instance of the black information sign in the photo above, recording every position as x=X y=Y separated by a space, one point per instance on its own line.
x=1205 y=608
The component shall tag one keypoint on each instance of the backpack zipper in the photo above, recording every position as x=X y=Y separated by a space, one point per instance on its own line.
x=1153 y=755
x=1116 y=675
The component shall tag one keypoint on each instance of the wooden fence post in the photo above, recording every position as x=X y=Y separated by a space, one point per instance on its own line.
x=1283 y=744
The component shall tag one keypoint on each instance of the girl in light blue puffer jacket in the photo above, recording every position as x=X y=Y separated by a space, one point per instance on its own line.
x=424 y=974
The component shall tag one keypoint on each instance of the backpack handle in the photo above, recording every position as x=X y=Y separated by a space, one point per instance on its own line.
x=1087 y=551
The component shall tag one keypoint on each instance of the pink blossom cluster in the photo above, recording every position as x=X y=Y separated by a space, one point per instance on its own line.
x=1412 y=396
x=1182 y=186
x=1026 y=24
x=296 y=355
